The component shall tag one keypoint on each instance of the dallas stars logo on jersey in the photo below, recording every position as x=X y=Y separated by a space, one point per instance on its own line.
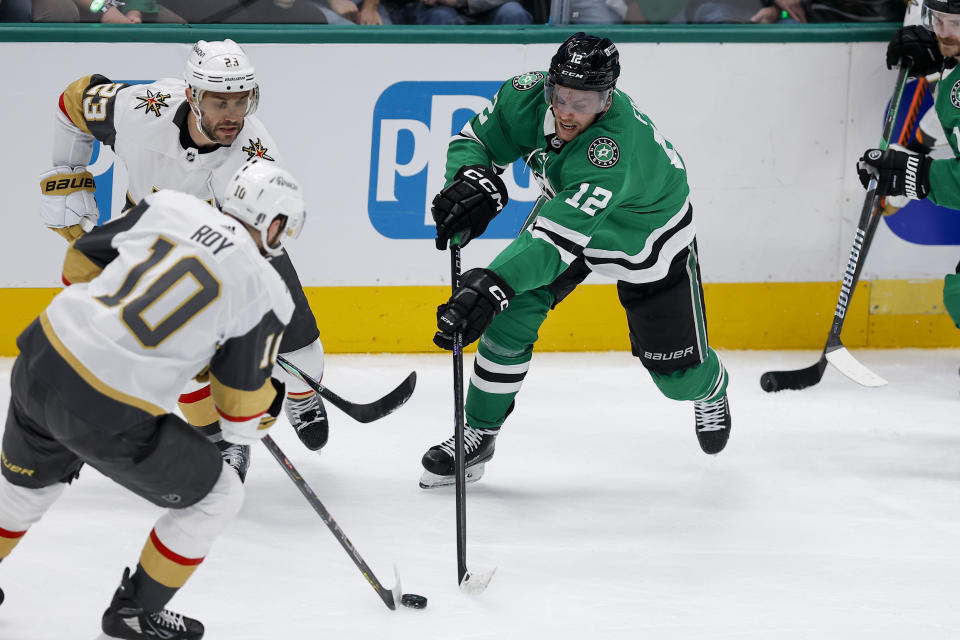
x=256 y=149
x=955 y=94
x=603 y=152
x=527 y=80
x=153 y=102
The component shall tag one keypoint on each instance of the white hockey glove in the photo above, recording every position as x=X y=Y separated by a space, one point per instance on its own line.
x=252 y=431
x=67 y=204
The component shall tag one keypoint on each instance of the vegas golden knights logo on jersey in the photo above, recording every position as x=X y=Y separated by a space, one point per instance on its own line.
x=256 y=149
x=153 y=102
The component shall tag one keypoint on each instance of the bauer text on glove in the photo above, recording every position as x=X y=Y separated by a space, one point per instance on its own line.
x=67 y=204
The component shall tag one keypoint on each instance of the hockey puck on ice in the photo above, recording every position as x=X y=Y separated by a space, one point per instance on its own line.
x=413 y=601
x=768 y=383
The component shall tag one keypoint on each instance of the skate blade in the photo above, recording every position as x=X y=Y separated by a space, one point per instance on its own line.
x=431 y=480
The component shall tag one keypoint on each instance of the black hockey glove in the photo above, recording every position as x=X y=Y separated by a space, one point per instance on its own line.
x=273 y=411
x=467 y=206
x=482 y=294
x=898 y=173
x=917 y=48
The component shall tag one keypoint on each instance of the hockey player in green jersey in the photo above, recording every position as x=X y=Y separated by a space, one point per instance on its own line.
x=615 y=201
x=933 y=47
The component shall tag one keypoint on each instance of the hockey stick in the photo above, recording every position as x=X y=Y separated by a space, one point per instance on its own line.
x=359 y=412
x=834 y=352
x=390 y=597
x=470 y=583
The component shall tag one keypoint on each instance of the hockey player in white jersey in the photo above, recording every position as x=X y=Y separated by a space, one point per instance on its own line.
x=174 y=289
x=190 y=135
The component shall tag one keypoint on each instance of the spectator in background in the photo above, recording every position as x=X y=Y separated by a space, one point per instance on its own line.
x=248 y=11
x=656 y=11
x=15 y=11
x=438 y=12
x=131 y=12
x=833 y=10
x=598 y=11
x=854 y=10
x=732 y=11
x=137 y=11
x=353 y=11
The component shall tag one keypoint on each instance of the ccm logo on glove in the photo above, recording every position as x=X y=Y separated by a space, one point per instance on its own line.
x=482 y=294
x=468 y=204
x=499 y=199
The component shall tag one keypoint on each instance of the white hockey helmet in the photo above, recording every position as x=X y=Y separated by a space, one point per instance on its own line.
x=221 y=65
x=259 y=193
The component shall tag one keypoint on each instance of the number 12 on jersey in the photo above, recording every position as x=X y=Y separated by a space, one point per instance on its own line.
x=598 y=200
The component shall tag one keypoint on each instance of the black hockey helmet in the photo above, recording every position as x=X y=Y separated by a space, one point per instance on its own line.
x=938 y=16
x=588 y=62
x=943 y=6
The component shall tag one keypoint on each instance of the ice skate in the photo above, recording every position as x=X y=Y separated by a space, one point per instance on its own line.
x=237 y=456
x=439 y=465
x=308 y=417
x=712 y=424
x=127 y=620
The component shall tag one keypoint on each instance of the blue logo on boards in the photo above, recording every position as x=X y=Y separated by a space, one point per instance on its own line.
x=413 y=123
x=102 y=169
x=921 y=221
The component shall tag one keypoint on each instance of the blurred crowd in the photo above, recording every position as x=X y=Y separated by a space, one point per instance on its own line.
x=453 y=12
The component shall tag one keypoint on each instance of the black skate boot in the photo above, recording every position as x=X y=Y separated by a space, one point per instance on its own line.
x=236 y=456
x=308 y=417
x=712 y=424
x=125 y=619
x=439 y=465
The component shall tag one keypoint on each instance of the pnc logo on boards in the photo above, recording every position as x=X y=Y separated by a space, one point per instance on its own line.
x=413 y=124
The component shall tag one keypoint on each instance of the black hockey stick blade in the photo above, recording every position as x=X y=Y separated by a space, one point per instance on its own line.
x=360 y=412
x=795 y=379
x=837 y=355
x=390 y=597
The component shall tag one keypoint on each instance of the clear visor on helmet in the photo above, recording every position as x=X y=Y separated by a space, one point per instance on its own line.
x=293 y=227
x=218 y=105
x=939 y=22
x=290 y=229
x=582 y=101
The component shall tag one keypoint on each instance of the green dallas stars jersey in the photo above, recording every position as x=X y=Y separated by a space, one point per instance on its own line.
x=945 y=173
x=616 y=195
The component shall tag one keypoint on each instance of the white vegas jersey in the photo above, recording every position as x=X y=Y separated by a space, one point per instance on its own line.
x=143 y=124
x=183 y=290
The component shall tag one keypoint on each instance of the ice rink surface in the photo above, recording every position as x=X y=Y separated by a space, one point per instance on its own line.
x=834 y=513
